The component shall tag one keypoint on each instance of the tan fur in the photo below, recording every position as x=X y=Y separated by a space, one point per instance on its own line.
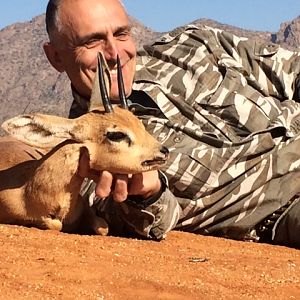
x=43 y=190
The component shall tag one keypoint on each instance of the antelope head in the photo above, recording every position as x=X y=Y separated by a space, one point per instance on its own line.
x=114 y=138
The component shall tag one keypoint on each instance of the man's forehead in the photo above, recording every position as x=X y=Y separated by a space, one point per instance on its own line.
x=80 y=13
x=69 y=6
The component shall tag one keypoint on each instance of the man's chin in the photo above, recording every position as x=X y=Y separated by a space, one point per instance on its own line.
x=114 y=96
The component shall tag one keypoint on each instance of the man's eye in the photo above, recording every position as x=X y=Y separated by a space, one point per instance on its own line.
x=92 y=43
x=123 y=36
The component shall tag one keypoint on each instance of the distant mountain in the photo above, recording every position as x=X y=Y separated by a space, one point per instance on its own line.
x=29 y=84
x=289 y=34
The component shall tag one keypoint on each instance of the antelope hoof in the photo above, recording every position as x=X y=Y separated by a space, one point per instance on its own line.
x=51 y=224
x=101 y=226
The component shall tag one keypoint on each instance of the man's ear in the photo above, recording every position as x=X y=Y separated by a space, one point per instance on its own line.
x=53 y=57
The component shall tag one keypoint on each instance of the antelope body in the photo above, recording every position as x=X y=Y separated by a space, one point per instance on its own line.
x=43 y=190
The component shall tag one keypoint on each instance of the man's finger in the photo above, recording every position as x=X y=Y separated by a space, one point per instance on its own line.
x=104 y=184
x=120 y=192
x=136 y=185
x=144 y=184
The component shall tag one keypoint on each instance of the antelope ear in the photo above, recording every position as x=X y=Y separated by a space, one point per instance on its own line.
x=42 y=131
x=96 y=98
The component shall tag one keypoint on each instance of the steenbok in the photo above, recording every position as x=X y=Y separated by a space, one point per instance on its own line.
x=39 y=179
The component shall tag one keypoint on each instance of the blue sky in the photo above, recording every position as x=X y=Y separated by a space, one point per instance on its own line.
x=163 y=15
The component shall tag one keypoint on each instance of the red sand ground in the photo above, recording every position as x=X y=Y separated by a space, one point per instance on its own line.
x=38 y=264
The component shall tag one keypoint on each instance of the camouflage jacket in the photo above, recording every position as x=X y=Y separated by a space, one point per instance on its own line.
x=227 y=109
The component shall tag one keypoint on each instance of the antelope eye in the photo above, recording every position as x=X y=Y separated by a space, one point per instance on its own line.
x=117 y=136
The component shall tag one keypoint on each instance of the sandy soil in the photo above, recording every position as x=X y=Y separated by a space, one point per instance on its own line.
x=38 y=264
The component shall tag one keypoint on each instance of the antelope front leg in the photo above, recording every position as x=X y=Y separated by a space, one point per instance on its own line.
x=100 y=226
x=97 y=224
x=49 y=223
x=89 y=221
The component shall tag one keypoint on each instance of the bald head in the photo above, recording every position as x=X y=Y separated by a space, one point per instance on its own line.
x=52 y=19
x=53 y=23
x=80 y=29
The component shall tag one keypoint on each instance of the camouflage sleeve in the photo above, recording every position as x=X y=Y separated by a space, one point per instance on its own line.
x=229 y=120
x=148 y=218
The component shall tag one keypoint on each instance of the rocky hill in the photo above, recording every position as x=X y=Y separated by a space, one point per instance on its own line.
x=29 y=84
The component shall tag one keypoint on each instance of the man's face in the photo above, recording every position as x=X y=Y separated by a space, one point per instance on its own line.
x=90 y=26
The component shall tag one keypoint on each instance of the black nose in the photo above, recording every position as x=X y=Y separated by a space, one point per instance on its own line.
x=164 y=150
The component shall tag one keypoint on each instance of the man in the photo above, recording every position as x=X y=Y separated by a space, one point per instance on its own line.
x=224 y=106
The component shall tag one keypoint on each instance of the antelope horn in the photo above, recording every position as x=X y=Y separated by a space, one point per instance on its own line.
x=122 y=95
x=96 y=96
x=104 y=95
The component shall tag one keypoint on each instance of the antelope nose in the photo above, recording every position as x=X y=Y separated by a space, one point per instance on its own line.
x=164 y=150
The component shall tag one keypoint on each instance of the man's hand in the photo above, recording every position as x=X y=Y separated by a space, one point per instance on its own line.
x=120 y=186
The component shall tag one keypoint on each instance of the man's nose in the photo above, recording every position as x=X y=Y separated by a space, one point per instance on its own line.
x=110 y=51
